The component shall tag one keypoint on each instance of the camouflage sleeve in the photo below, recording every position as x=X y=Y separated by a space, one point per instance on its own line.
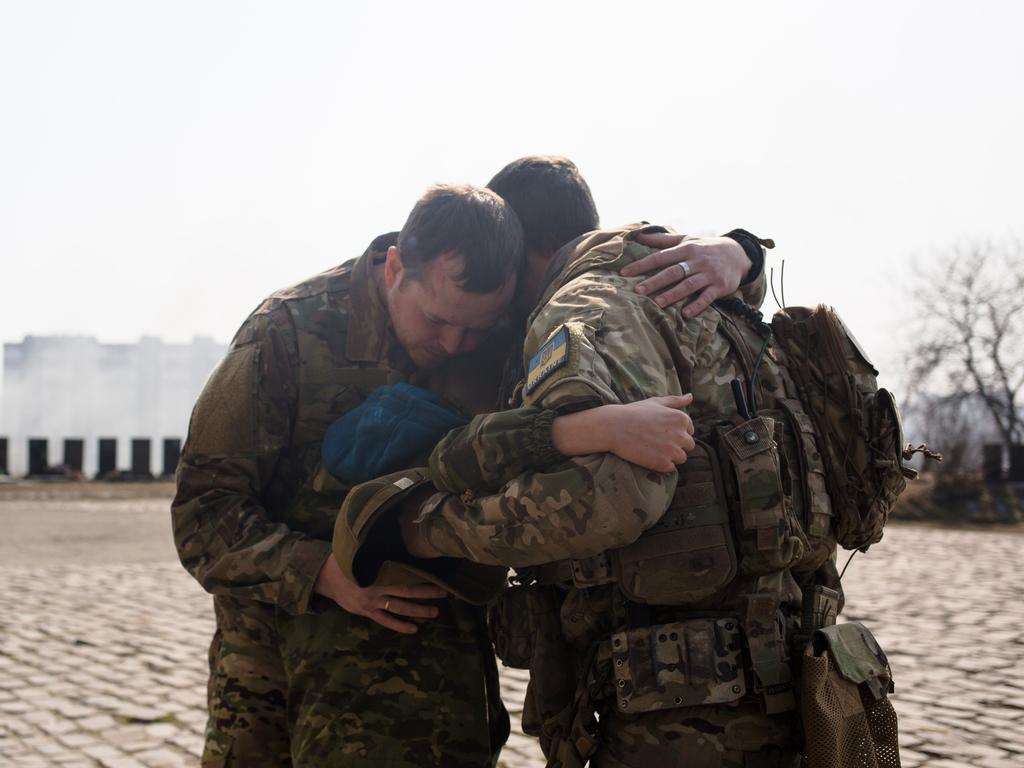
x=588 y=346
x=753 y=293
x=494 y=448
x=240 y=424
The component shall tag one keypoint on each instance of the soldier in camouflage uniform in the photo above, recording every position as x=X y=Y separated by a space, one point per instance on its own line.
x=252 y=525
x=683 y=654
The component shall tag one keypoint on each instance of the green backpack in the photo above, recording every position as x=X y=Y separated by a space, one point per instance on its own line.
x=857 y=423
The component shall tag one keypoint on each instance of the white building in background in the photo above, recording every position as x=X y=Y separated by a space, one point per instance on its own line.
x=74 y=387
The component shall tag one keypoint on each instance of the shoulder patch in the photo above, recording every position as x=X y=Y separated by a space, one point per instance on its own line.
x=551 y=357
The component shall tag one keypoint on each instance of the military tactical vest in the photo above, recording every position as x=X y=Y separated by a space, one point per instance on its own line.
x=751 y=493
x=751 y=519
x=341 y=334
x=330 y=377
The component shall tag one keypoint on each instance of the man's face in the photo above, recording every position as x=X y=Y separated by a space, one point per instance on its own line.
x=433 y=317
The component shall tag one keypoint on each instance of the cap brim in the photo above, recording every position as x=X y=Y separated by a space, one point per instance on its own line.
x=472 y=582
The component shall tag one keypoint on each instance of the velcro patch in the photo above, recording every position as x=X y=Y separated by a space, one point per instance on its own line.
x=550 y=358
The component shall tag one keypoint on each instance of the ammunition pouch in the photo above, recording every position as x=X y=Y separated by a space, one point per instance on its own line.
x=809 y=489
x=769 y=540
x=678 y=664
x=847 y=716
x=767 y=642
x=686 y=556
x=820 y=608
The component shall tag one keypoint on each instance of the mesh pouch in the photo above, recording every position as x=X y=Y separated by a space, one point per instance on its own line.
x=848 y=720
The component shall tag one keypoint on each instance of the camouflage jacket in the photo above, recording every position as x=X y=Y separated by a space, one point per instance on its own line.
x=250 y=521
x=631 y=548
x=511 y=499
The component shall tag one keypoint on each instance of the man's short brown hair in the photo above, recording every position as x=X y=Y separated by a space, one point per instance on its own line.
x=471 y=222
x=550 y=197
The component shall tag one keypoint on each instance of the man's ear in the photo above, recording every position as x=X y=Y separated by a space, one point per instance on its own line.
x=392 y=267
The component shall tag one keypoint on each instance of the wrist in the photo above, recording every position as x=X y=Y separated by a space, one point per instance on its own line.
x=582 y=433
x=753 y=248
x=414 y=536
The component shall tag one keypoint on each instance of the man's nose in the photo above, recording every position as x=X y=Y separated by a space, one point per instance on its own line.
x=452 y=338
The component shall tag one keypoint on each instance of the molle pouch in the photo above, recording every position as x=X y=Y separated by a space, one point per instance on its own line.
x=524 y=623
x=509 y=625
x=815 y=509
x=680 y=664
x=689 y=553
x=768 y=540
x=847 y=717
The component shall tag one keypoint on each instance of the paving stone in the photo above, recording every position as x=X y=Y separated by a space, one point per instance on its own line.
x=102 y=752
x=89 y=676
x=161 y=730
x=122 y=762
x=139 y=714
x=162 y=758
x=76 y=740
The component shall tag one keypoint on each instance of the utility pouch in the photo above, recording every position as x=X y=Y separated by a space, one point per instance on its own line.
x=820 y=608
x=689 y=553
x=816 y=504
x=765 y=629
x=680 y=664
x=523 y=621
x=509 y=626
x=768 y=541
x=847 y=717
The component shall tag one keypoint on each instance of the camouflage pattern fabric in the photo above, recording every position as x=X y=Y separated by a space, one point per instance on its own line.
x=859 y=422
x=360 y=695
x=698 y=737
x=687 y=663
x=593 y=340
x=246 y=690
x=618 y=351
x=253 y=525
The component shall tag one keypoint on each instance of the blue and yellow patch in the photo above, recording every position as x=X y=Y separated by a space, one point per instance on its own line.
x=550 y=358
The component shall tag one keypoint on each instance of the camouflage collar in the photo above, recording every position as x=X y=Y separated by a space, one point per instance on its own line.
x=601 y=248
x=370 y=337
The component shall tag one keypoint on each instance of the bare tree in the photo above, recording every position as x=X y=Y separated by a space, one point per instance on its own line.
x=969 y=346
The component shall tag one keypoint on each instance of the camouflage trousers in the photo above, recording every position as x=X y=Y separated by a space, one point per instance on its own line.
x=362 y=695
x=699 y=737
x=246 y=693
x=331 y=689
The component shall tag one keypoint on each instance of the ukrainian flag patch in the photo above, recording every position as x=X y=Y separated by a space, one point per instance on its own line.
x=551 y=357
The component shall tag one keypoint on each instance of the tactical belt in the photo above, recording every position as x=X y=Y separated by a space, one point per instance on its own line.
x=588 y=572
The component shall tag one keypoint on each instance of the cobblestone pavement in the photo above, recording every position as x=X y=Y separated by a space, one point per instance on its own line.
x=103 y=663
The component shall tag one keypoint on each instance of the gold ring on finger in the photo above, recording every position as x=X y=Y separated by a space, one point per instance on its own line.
x=387 y=604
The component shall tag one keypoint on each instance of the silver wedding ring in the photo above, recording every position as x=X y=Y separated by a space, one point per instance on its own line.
x=686 y=269
x=387 y=604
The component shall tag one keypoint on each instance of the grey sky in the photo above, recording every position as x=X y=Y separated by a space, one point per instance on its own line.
x=165 y=165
